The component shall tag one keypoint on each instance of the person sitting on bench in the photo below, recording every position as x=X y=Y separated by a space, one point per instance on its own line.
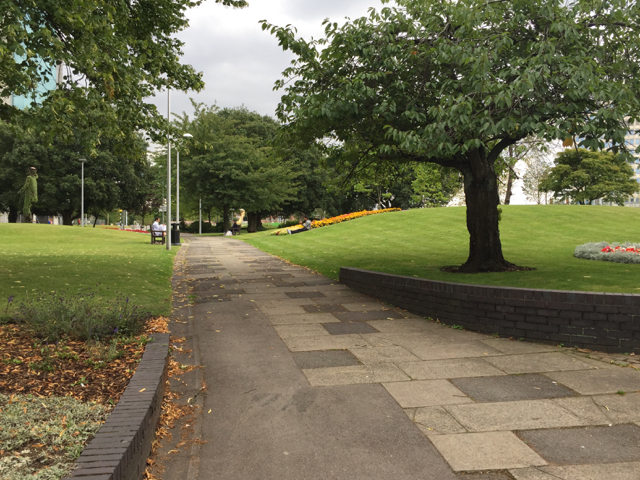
x=306 y=225
x=157 y=232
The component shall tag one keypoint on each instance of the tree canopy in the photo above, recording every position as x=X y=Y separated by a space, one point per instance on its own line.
x=229 y=162
x=582 y=176
x=457 y=82
x=114 y=56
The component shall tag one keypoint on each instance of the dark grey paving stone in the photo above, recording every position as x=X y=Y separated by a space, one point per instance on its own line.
x=325 y=358
x=314 y=283
x=324 y=308
x=348 y=327
x=269 y=270
x=574 y=446
x=487 y=475
x=290 y=284
x=366 y=316
x=280 y=275
x=304 y=294
x=211 y=299
x=506 y=388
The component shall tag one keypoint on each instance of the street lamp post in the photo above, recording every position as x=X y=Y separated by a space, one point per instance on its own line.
x=168 y=239
x=200 y=217
x=186 y=135
x=82 y=160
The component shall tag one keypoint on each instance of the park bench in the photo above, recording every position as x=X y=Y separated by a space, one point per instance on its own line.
x=157 y=236
x=235 y=229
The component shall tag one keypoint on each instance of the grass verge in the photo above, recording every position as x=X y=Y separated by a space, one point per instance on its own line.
x=420 y=242
x=45 y=258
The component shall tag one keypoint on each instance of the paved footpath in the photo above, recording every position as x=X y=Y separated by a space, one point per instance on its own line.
x=307 y=379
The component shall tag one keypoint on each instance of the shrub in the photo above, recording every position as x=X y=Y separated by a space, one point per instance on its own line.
x=593 y=251
x=81 y=316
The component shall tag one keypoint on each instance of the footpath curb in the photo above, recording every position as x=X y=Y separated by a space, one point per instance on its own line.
x=120 y=449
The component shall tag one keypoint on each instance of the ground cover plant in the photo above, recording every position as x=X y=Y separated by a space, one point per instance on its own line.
x=325 y=222
x=420 y=242
x=40 y=438
x=609 y=252
x=45 y=258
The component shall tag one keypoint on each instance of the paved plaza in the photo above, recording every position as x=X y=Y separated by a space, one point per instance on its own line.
x=307 y=379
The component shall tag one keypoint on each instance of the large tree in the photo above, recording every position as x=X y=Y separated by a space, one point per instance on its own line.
x=114 y=55
x=456 y=82
x=582 y=176
x=229 y=164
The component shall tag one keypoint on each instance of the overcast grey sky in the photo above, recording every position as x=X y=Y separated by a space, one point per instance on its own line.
x=240 y=62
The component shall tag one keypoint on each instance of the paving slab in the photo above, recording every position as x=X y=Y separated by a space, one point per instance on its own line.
x=365 y=306
x=615 y=444
x=426 y=393
x=485 y=451
x=343 y=328
x=538 y=362
x=325 y=359
x=393 y=354
x=305 y=294
x=599 y=381
x=505 y=388
x=324 y=308
x=620 y=408
x=452 y=368
x=453 y=350
x=409 y=325
x=606 y=471
x=307 y=318
x=487 y=475
x=325 y=342
x=585 y=408
x=283 y=309
x=366 y=316
x=406 y=340
x=519 y=415
x=514 y=346
x=300 y=330
x=436 y=421
x=357 y=374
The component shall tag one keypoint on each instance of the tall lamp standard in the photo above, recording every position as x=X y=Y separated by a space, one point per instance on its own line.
x=82 y=160
x=186 y=135
x=168 y=239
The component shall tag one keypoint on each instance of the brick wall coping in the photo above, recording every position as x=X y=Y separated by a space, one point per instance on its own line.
x=120 y=449
x=607 y=322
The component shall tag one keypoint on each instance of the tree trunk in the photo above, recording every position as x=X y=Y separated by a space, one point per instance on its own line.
x=95 y=220
x=253 y=218
x=66 y=218
x=482 y=198
x=507 y=196
x=225 y=218
x=13 y=215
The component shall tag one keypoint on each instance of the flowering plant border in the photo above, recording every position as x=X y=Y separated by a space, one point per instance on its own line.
x=339 y=219
x=609 y=252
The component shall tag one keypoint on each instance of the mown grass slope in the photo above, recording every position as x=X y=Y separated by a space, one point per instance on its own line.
x=420 y=242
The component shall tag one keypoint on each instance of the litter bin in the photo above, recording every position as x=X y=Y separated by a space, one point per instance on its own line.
x=175 y=234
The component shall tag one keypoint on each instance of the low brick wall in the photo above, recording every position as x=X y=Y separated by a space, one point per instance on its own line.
x=120 y=449
x=607 y=322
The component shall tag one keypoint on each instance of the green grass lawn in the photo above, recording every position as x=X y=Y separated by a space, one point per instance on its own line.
x=53 y=258
x=419 y=242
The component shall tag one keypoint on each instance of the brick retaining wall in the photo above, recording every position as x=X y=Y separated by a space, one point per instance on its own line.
x=120 y=449
x=607 y=322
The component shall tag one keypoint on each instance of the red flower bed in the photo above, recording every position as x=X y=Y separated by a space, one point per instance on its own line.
x=619 y=249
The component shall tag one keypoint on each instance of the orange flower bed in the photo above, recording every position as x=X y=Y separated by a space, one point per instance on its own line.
x=349 y=216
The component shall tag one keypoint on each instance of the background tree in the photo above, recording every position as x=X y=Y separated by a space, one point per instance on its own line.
x=113 y=175
x=114 y=56
x=582 y=176
x=229 y=163
x=457 y=83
